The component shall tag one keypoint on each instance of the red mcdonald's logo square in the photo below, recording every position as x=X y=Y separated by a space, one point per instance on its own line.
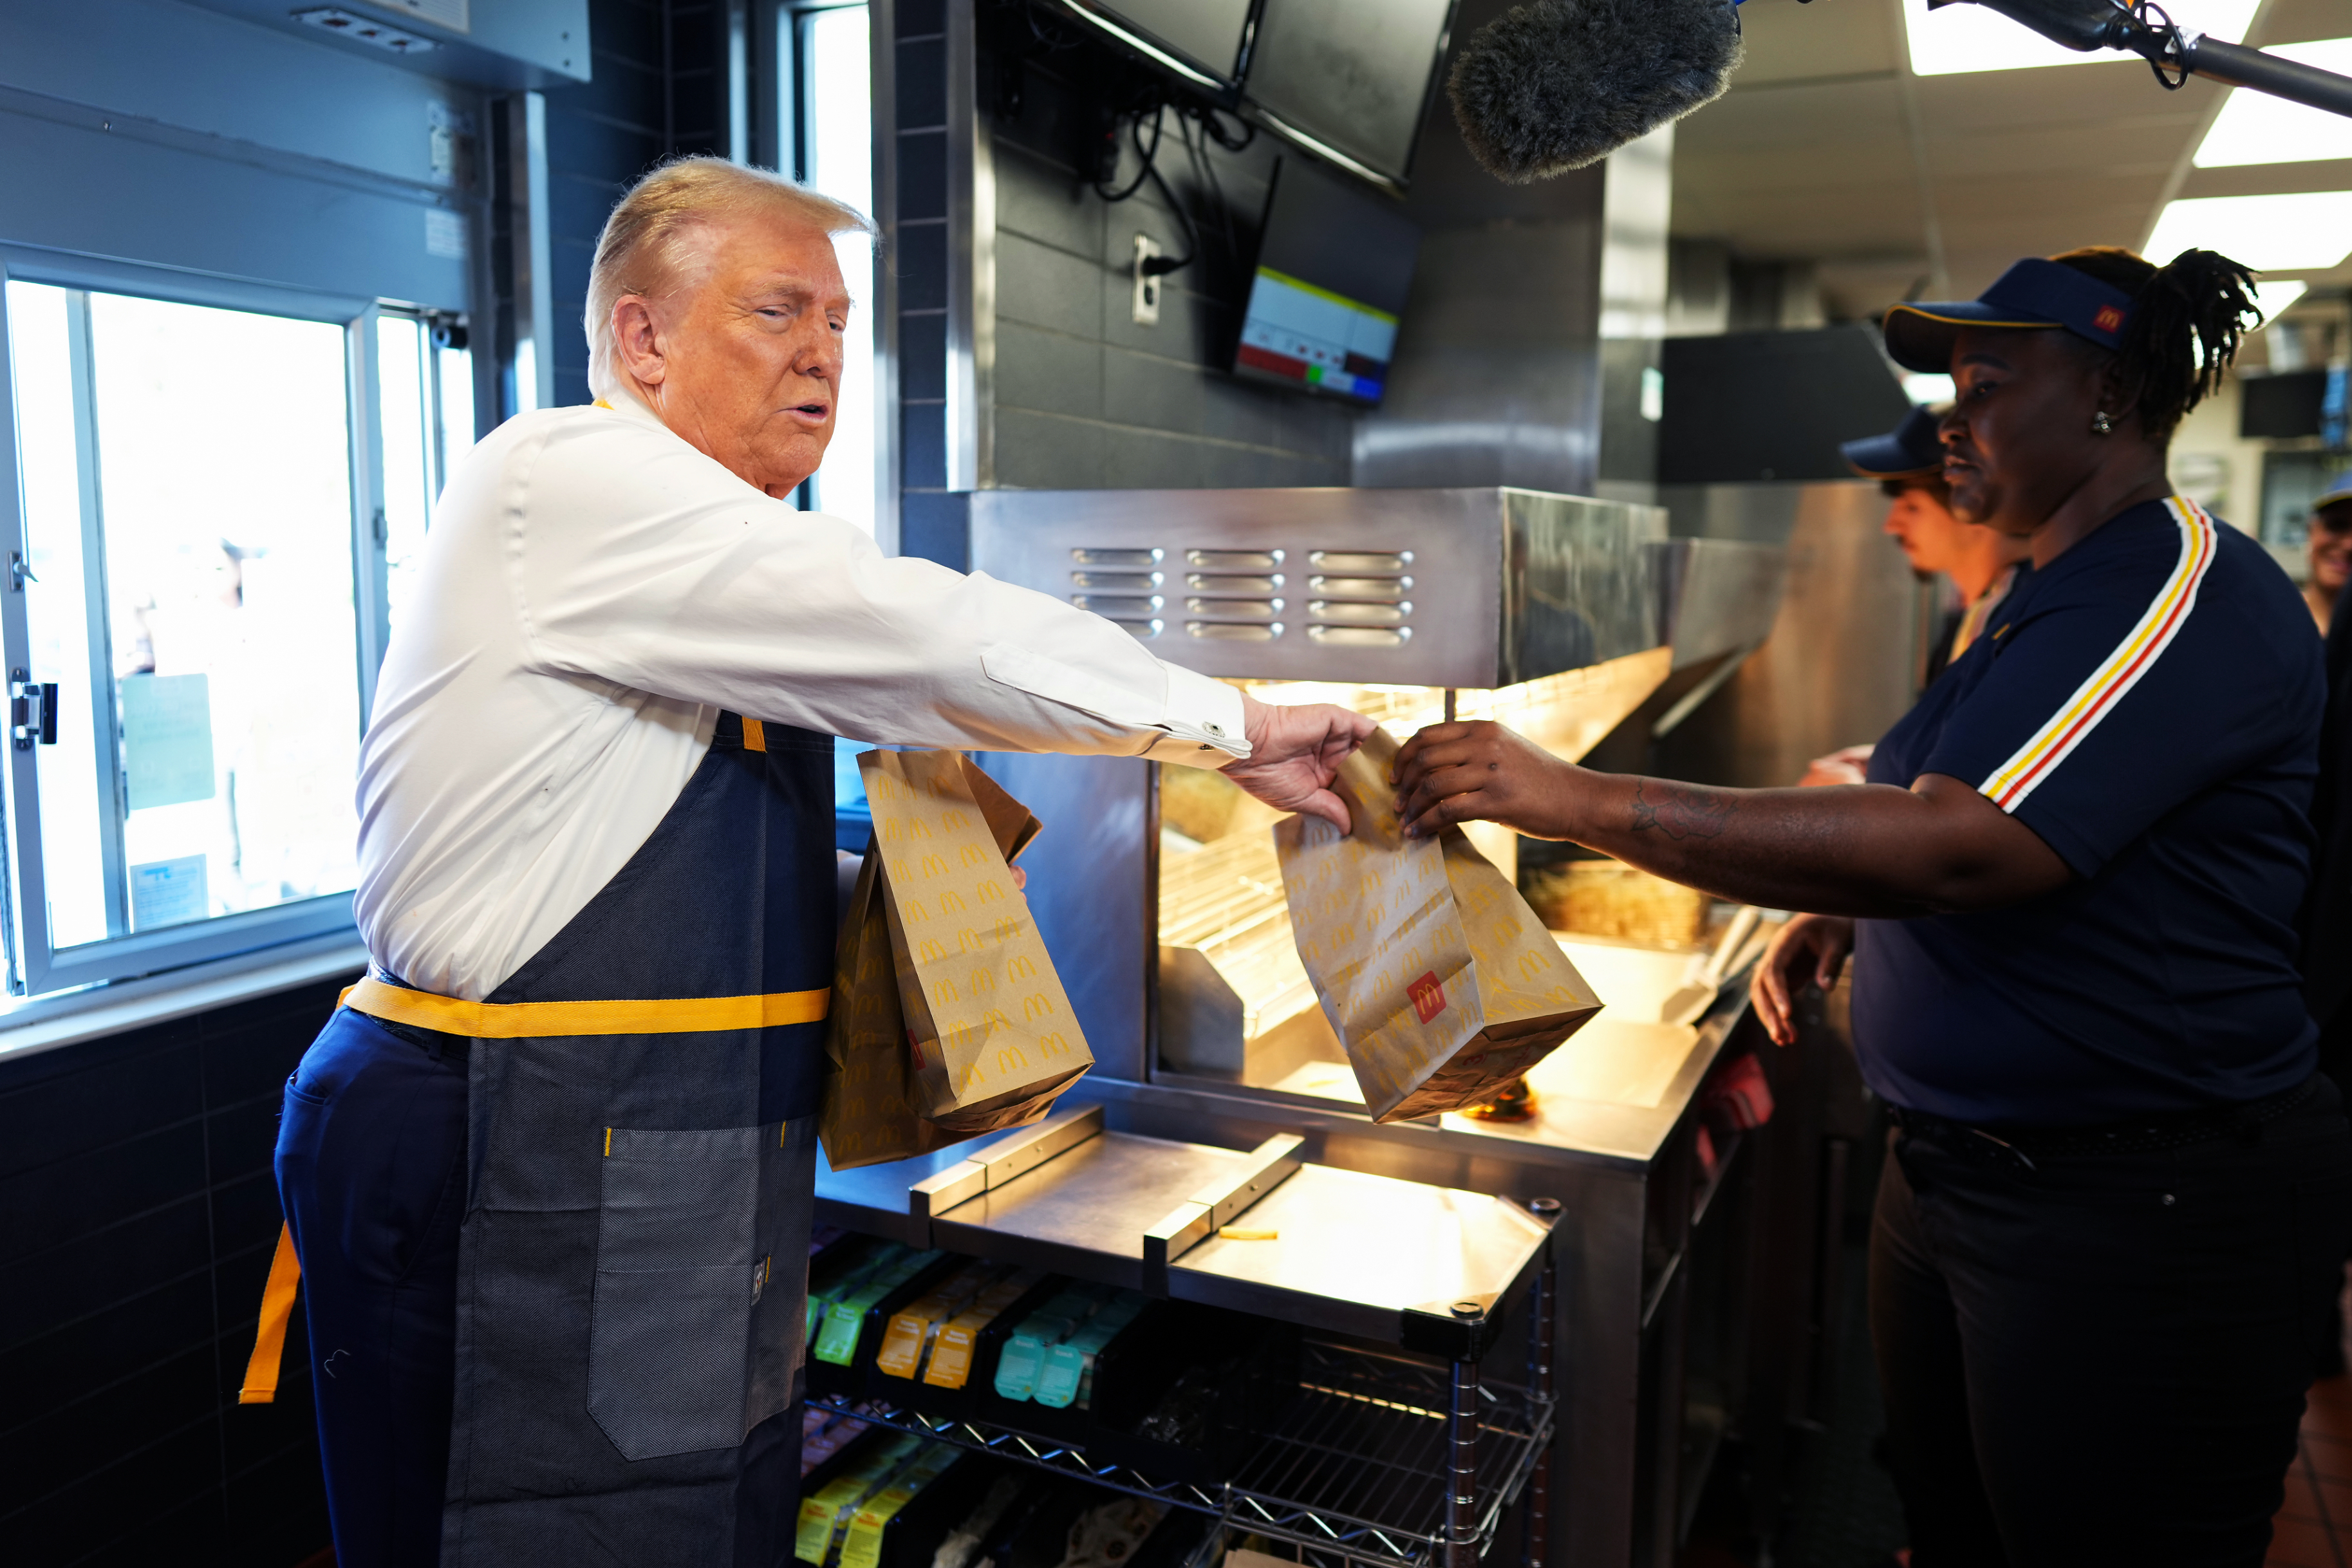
x=2110 y=319
x=1428 y=996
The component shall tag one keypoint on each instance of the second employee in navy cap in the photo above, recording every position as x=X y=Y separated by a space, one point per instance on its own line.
x=1909 y=464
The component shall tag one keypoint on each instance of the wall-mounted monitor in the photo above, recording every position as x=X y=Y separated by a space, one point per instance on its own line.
x=1334 y=265
x=1203 y=41
x=1351 y=80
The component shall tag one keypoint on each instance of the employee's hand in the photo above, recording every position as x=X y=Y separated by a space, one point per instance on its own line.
x=1295 y=753
x=1480 y=770
x=1809 y=951
x=1847 y=765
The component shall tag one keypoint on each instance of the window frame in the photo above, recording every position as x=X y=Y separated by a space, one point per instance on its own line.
x=35 y=965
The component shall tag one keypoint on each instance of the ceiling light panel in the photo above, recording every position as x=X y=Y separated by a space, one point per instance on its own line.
x=1956 y=39
x=2255 y=128
x=2305 y=232
x=2273 y=297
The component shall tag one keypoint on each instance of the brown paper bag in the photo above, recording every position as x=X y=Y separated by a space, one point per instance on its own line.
x=1441 y=981
x=990 y=1031
x=869 y=1114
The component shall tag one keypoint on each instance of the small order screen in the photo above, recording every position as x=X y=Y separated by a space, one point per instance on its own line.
x=1301 y=332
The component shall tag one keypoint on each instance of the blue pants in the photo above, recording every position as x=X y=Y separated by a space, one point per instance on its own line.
x=372 y=1169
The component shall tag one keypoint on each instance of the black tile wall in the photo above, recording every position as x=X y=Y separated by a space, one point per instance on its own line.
x=931 y=521
x=138 y=1215
x=1084 y=395
x=602 y=135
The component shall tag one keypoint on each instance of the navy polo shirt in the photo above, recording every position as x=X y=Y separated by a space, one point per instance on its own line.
x=2149 y=704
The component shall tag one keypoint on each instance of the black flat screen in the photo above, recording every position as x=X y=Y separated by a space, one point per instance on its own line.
x=1333 y=265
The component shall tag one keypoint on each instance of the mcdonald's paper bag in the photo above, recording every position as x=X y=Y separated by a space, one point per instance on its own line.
x=869 y=1115
x=1442 y=983
x=990 y=1033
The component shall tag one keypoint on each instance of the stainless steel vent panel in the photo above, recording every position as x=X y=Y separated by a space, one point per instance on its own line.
x=1357 y=615
x=1504 y=585
x=1360 y=560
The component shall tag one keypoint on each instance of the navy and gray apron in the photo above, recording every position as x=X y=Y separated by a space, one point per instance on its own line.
x=631 y=1261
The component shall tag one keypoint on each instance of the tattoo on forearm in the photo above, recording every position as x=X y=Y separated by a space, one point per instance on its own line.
x=1679 y=811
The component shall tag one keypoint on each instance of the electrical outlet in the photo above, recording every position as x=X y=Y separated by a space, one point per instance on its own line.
x=1147 y=284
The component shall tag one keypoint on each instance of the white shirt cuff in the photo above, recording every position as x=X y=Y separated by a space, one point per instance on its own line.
x=1202 y=723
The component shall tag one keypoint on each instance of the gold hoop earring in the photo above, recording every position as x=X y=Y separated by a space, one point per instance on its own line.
x=2103 y=422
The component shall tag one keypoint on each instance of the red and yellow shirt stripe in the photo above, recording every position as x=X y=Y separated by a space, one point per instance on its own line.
x=2014 y=780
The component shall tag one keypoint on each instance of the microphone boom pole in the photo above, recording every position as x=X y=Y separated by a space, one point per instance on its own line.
x=2234 y=65
x=2141 y=28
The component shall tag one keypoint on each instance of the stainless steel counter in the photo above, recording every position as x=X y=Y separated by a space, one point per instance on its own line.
x=1367 y=1225
x=1349 y=1250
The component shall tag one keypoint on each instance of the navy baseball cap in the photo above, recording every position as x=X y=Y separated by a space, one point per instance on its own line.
x=1910 y=448
x=2338 y=489
x=2033 y=293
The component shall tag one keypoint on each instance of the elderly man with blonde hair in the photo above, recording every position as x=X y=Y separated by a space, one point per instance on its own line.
x=548 y=1172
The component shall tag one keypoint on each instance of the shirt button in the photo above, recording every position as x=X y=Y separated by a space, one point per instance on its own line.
x=1215 y=729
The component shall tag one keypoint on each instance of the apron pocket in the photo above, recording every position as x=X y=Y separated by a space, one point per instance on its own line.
x=677 y=1274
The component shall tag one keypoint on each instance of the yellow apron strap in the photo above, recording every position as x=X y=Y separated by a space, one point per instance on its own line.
x=755 y=735
x=269 y=1339
x=529 y=1020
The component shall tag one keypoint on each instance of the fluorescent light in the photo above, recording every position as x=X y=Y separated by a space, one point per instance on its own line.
x=1970 y=38
x=2307 y=231
x=2276 y=295
x=1927 y=386
x=2255 y=128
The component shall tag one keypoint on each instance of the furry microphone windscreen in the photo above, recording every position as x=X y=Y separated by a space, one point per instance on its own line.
x=1554 y=85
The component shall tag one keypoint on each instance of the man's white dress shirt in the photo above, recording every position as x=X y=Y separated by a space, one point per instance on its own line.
x=593 y=591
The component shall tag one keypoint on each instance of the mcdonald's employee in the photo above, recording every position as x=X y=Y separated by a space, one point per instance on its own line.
x=547 y=1175
x=2119 y=1194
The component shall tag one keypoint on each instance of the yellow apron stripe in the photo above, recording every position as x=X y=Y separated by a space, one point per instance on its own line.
x=608 y=1142
x=755 y=735
x=527 y=1020
x=269 y=1339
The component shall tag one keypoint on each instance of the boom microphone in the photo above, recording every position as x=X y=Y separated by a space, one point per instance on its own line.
x=1554 y=85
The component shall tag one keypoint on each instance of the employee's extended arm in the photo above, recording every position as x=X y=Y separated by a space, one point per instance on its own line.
x=1863 y=850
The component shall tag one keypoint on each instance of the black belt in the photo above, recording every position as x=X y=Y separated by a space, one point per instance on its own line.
x=2139 y=1135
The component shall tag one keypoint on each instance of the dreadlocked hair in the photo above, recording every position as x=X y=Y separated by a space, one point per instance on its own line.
x=2188 y=319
